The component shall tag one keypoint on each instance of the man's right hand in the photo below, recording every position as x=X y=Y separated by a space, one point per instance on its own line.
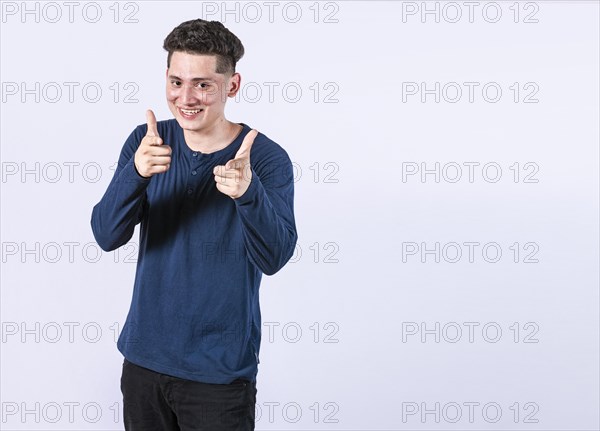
x=152 y=156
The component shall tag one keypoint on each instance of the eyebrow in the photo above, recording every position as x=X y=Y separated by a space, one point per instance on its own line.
x=193 y=79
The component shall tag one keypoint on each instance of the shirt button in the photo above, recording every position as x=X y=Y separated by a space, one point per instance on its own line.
x=194 y=172
x=195 y=154
x=189 y=192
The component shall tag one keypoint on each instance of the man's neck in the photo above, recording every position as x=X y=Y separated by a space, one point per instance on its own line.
x=214 y=138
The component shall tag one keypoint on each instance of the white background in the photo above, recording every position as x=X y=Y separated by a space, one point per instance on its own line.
x=358 y=297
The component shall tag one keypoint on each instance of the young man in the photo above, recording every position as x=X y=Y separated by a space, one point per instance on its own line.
x=215 y=203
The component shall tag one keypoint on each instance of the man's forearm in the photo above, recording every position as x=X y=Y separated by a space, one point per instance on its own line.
x=268 y=225
x=120 y=209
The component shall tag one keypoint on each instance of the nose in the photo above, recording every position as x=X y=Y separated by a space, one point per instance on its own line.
x=187 y=96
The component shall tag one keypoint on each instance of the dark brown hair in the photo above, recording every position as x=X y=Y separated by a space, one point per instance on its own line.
x=208 y=38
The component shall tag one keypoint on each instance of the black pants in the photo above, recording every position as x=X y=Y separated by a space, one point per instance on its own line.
x=155 y=401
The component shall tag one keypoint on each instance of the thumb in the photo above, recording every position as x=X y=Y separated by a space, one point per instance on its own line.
x=246 y=146
x=151 y=122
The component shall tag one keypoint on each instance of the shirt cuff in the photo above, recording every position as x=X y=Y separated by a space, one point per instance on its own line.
x=129 y=174
x=251 y=192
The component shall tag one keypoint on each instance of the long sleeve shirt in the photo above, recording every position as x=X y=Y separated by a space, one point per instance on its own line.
x=195 y=310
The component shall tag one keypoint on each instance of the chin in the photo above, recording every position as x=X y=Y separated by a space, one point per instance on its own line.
x=188 y=125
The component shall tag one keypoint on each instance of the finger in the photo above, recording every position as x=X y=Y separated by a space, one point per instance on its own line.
x=236 y=164
x=151 y=168
x=227 y=173
x=151 y=122
x=222 y=169
x=158 y=169
x=223 y=188
x=218 y=169
x=152 y=140
x=159 y=160
x=246 y=146
x=159 y=150
x=222 y=179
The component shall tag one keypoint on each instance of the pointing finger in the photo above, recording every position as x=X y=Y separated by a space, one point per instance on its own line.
x=151 y=122
x=244 y=150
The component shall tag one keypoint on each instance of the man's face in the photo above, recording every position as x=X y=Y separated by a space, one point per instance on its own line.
x=196 y=94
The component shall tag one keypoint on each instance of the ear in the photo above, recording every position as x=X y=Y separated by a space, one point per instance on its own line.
x=234 y=84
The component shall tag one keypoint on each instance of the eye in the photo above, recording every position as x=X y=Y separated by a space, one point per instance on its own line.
x=203 y=85
x=175 y=83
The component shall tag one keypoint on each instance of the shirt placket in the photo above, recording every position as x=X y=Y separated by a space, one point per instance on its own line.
x=196 y=174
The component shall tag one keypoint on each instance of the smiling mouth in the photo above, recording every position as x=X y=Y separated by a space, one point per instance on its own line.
x=189 y=113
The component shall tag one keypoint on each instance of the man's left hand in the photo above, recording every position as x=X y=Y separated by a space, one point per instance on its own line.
x=233 y=179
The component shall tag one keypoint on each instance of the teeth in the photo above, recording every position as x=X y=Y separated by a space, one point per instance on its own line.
x=190 y=112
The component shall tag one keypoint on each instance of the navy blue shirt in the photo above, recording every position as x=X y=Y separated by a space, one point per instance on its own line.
x=195 y=310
